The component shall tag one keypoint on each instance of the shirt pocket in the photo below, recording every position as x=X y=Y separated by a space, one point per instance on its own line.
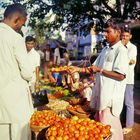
x=110 y=57
x=108 y=65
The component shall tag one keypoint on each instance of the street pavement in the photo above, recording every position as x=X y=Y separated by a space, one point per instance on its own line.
x=135 y=134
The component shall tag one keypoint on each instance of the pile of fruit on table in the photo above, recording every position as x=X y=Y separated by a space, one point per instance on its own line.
x=58 y=127
x=72 y=128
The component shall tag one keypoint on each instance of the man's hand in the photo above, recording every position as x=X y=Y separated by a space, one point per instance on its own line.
x=37 y=86
x=131 y=62
x=95 y=68
x=73 y=69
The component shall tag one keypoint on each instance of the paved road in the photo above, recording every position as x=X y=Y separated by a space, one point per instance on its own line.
x=135 y=134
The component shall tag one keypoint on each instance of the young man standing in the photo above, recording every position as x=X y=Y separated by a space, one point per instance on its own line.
x=15 y=100
x=111 y=68
x=34 y=59
x=129 y=91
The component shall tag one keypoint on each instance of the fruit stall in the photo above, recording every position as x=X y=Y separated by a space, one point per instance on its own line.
x=63 y=115
x=73 y=128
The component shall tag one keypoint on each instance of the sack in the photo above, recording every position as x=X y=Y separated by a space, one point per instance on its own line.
x=40 y=98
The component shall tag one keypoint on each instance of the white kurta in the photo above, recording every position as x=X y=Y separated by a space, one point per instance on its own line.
x=110 y=92
x=15 y=100
x=132 y=54
x=34 y=59
x=57 y=55
x=87 y=91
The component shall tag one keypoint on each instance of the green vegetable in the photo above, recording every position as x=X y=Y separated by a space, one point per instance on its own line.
x=66 y=92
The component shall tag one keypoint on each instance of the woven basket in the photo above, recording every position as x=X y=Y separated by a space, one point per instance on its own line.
x=80 y=115
x=37 y=128
x=108 y=137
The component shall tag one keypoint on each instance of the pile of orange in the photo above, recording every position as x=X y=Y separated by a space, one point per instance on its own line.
x=44 y=118
x=69 y=129
x=78 y=129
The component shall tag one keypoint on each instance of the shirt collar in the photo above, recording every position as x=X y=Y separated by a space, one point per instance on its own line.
x=6 y=26
x=115 y=45
x=31 y=51
x=128 y=43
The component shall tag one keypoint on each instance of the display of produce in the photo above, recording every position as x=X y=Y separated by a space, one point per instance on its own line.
x=78 y=129
x=57 y=105
x=44 y=118
x=58 y=92
x=78 y=111
x=59 y=69
x=56 y=95
x=65 y=117
x=77 y=101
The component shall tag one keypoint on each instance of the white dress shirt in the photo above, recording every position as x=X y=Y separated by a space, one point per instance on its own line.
x=15 y=100
x=34 y=59
x=108 y=92
x=132 y=54
x=57 y=55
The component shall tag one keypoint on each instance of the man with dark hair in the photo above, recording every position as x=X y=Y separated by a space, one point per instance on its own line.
x=129 y=91
x=34 y=59
x=29 y=39
x=17 y=11
x=15 y=8
x=15 y=99
x=111 y=68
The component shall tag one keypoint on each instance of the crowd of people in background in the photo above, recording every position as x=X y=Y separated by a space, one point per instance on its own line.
x=108 y=88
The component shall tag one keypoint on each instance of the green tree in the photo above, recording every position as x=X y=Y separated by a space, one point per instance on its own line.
x=72 y=13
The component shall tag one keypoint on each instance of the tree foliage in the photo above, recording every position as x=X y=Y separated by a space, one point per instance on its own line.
x=73 y=13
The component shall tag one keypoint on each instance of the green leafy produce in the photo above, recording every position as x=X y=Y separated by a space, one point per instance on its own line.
x=66 y=92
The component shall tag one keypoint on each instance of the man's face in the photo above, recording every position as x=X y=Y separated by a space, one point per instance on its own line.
x=111 y=35
x=126 y=37
x=30 y=45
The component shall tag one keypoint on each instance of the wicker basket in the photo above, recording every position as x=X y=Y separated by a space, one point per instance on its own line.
x=37 y=128
x=80 y=115
x=108 y=137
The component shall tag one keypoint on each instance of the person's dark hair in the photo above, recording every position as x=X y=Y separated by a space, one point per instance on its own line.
x=29 y=38
x=126 y=29
x=15 y=8
x=113 y=23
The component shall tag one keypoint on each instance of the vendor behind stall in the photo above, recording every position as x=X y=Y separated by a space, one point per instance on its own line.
x=70 y=80
x=48 y=74
x=86 y=89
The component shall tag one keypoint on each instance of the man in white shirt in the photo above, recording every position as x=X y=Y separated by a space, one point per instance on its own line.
x=34 y=59
x=111 y=81
x=111 y=69
x=57 y=54
x=15 y=100
x=129 y=91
